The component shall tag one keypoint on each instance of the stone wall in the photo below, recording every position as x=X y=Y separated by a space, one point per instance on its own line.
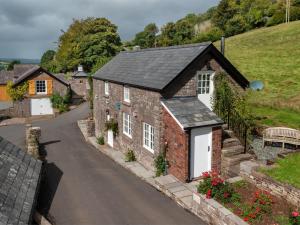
x=177 y=147
x=144 y=106
x=213 y=213
x=21 y=108
x=216 y=148
x=33 y=135
x=249 y=172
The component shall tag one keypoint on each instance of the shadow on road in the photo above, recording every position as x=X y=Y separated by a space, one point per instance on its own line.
x=42 y=150
x=50 y=180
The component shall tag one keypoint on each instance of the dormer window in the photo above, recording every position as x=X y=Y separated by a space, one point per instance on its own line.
x=126 y=94
x=106 y=88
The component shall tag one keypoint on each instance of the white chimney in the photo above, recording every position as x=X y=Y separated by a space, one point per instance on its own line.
x=80 y=68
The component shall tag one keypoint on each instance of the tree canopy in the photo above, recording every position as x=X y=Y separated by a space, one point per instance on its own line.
x=47 y=60
x=85 y=42
x=147 y=37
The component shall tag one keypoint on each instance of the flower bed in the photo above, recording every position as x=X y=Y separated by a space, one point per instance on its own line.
x=249 y=203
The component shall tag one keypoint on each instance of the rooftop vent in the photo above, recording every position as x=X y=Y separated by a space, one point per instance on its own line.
x=80 y=68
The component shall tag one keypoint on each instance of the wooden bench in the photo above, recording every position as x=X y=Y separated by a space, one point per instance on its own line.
x=283 y=135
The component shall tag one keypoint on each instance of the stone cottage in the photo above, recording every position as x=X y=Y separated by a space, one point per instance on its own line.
x=42 y=84
x=79 y=83
x=161 y=99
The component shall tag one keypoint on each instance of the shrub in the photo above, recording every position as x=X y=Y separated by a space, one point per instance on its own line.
x=58 y=102
x=160 y=164
x=112 y=125
x=16 y=93
x=213 y=186
x=130 y=156
x=100 y=140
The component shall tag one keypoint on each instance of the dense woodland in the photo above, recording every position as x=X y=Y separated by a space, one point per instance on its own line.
x=93 y=41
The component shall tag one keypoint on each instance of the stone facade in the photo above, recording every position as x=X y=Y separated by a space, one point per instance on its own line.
x=144 y=107
x=264 y=182
x=79 y=86
x=177 y=147
x=213 y=213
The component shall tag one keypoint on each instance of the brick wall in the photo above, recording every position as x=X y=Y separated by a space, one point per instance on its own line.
x=216 y=148
x=177 y=147
x=144 y=107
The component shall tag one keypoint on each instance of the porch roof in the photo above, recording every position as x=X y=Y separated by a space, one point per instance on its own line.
x=190 y=112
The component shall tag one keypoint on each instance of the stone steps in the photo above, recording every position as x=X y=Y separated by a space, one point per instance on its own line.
x=232 y=150
x=236 y=159
x=229 y=142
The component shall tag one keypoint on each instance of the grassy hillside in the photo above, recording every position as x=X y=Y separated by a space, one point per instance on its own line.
x=273 y=56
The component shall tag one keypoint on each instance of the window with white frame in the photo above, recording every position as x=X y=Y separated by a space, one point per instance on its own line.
x=126 y=94
x=148 y=137
x=204 y=82
x=40 y=87
x=106 y=88
x=127 y=124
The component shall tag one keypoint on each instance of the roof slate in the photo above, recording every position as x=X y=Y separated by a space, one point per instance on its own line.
x=191 y=112
x=6 y=76
x=19 y=178
x=152 y=68
x=80 y=74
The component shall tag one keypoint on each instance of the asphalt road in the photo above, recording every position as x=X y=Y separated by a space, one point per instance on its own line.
x=83 y=186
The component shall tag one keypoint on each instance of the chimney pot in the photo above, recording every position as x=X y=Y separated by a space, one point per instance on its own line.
x=80 y=68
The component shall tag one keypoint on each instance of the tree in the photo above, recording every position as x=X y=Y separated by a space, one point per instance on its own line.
x=85 y=42
x=12 y=64
x=146 y=38
x=167 y=36
x=224 y=12
x=47 y=60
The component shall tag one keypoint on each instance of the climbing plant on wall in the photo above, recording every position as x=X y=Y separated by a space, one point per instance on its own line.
x=17 y=93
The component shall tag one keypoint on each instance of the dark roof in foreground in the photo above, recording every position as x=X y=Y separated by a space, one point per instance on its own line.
x=191 y=112
x=19 y=178
x=155 y=68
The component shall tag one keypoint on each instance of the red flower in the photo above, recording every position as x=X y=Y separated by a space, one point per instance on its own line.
x=246 y=219
x=295 y=214
x=208 y=194
x=214 y=173
x=205 y=175
x=226 y=195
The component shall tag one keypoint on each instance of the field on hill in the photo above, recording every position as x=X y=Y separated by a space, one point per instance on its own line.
x=271 y=55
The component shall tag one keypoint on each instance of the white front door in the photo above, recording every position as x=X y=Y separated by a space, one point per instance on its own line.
x=201 y=139
x=41 y=106
x=110 y=138
x=205 y=81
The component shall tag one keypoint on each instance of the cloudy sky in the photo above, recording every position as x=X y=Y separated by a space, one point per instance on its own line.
x=29 y=27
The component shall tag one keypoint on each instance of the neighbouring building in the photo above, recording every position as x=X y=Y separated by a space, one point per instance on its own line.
x=162 y=101
x=79 y=83
x=42 y=84
x=19 y=178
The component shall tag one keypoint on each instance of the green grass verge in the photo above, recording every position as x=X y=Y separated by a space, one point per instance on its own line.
x=272 y=55
x=287 y=170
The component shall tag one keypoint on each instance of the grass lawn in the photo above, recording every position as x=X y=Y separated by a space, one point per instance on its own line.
x=287 y=170
x=271 y=55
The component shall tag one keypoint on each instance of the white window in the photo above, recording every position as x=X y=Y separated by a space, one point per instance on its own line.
x=148 y=141
x=204 y=83
x=127 y=124
x=106 y=88
x=41 y=87
x=126 y=94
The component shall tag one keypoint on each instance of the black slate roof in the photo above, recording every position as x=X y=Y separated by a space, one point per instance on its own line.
x=191 y=112
x=19 y=178
x=152 y=68
x=80 y=74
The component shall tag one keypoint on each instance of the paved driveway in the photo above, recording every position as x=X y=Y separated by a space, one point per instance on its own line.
x=83 y=186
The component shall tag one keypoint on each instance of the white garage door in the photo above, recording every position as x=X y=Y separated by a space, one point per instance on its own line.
x=41 y=106
x=201 y=139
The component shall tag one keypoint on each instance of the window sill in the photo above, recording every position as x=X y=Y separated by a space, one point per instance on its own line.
x=127 y=135
x=126 y=103
x=148 y=149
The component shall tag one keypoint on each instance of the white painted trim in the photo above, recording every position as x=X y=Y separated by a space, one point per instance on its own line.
x=172 y=115
x=46 y=87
